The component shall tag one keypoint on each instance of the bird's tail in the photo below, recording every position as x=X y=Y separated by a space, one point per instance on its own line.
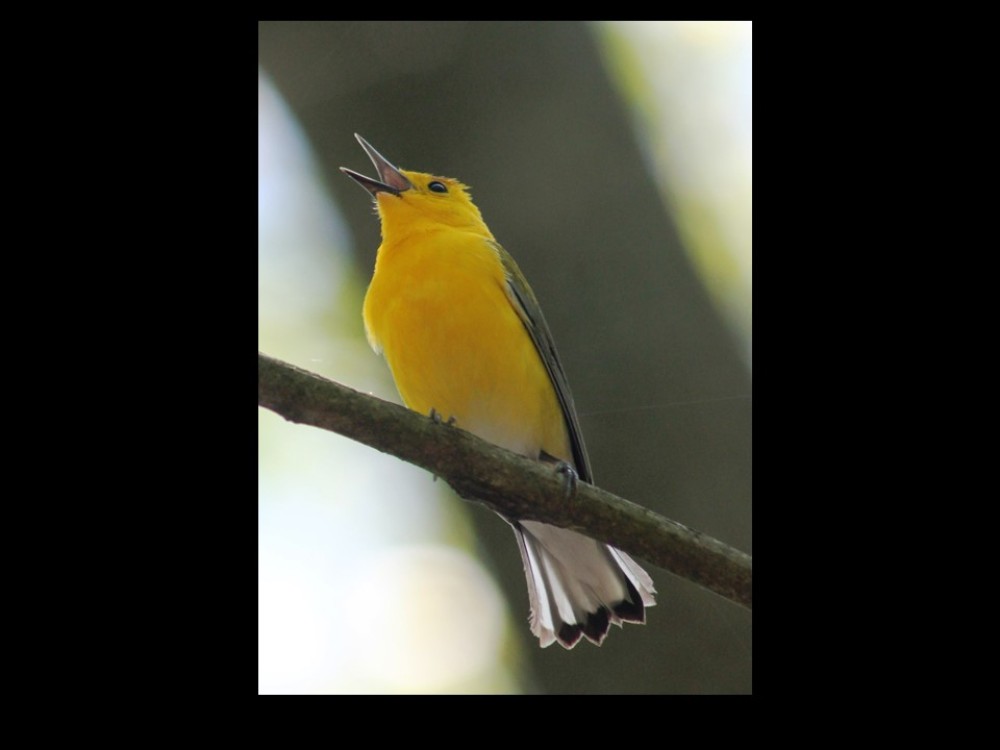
x=579 y=586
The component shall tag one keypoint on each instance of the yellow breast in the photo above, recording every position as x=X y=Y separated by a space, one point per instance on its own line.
x=438 y=310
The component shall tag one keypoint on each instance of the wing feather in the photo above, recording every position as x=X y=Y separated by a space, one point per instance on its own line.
x=523 y=300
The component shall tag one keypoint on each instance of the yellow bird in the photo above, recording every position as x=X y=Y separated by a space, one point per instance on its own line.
x=464 y=337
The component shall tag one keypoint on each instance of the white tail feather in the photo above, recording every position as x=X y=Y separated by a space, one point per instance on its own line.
x=579 y=586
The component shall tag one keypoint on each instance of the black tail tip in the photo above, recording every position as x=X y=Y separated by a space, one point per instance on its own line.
x=631 y=609
x=595 y=629
x=568 y=635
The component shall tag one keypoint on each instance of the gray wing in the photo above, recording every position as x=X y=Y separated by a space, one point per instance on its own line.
x=526 y=305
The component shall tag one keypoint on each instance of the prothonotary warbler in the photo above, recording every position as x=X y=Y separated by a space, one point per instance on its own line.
x=464 y=336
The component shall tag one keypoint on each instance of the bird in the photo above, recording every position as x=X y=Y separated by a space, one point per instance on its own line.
x=464 y=337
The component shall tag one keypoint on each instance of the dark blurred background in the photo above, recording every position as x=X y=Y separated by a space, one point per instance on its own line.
x=545 y=123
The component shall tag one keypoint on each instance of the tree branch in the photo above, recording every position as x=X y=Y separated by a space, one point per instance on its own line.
x=510 y=484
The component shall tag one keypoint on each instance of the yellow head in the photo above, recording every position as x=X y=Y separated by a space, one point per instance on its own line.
x=411 y=202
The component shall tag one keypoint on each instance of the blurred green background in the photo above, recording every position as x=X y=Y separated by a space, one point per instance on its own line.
x=614 y=161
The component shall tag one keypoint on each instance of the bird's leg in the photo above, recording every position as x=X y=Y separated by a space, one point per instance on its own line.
x=436 y=418
x=565 y=468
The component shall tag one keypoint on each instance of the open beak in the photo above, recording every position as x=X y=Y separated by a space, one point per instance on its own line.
x=391 y=180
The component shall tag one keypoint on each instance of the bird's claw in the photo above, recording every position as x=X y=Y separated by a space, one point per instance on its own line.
x=435 y=416
x=570 y=478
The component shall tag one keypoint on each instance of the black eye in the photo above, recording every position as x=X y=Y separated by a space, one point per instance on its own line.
x=437 y=187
